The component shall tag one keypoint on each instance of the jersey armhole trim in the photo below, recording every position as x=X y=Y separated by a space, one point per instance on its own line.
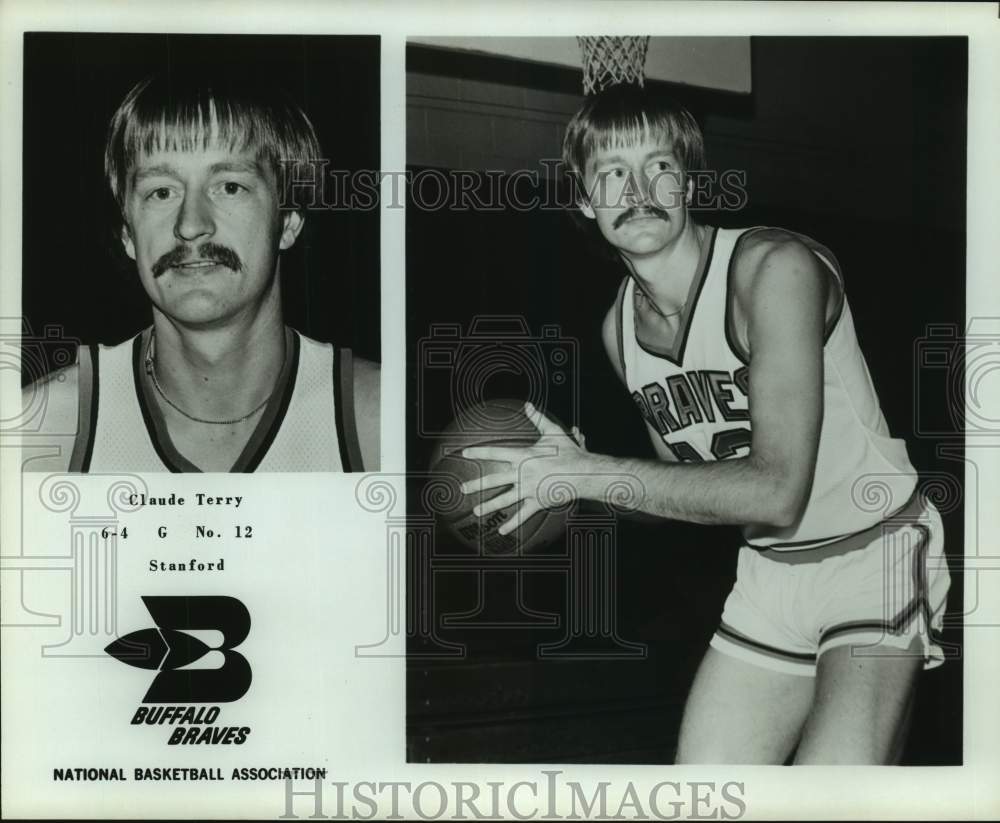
x=87 y=399
x=833 y=267
x=343 y=401
x=822 y=253
x=620 y=326
x=732 y=338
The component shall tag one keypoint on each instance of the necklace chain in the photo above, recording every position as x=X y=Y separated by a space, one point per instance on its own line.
x=655 y=307
x=667 y=316
x=150 y=363
x=700 y=235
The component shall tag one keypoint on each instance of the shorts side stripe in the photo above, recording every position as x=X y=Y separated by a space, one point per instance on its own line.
x=730 y=634
x=920 y=604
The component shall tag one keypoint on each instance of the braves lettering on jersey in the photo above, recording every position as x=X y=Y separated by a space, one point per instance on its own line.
x=307 y=425
x=694 y=396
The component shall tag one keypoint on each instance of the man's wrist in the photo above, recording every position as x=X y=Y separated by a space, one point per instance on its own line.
x=596 y=473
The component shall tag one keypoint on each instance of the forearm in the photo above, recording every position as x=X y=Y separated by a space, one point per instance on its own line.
x=742 y=491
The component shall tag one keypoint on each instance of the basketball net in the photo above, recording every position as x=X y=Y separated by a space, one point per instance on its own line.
x=611 y=60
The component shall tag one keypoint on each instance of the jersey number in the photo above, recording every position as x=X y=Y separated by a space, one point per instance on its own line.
x=724 y=444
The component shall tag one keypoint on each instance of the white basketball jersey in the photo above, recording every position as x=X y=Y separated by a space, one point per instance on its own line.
x=695 y=398
x=307 y=425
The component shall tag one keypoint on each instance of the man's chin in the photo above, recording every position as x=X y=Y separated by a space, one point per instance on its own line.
x=642 y=243
x=197 y=312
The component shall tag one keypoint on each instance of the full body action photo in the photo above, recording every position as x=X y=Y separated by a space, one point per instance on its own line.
x=739 y=348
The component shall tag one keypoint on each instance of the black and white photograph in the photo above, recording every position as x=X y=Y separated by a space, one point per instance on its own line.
x=681 y=312
x=507 y=409
x=210 y=299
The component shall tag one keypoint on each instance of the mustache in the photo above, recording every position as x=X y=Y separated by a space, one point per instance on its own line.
x=640 y=211
x=206 y=251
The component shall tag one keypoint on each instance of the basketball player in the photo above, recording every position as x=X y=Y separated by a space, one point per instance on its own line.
x=739 y=348
x=218 y=382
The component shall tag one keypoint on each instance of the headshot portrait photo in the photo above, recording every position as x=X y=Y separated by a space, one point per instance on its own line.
x=201 y=253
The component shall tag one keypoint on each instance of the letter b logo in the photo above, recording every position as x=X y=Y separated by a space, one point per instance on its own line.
x=168 y=647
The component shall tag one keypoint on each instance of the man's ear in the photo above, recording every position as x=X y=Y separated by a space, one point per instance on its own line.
x=127 y=241
x=291 y=224
x=583 y=202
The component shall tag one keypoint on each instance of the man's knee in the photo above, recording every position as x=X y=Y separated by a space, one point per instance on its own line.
x=741 y=713
x=860 y=708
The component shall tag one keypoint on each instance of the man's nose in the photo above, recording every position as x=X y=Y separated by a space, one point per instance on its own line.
x=194 y=219
x=638 y=187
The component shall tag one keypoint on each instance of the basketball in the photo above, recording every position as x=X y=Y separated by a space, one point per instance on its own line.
x=492 y=423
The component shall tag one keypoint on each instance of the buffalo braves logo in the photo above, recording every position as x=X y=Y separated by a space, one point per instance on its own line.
x=169 y=647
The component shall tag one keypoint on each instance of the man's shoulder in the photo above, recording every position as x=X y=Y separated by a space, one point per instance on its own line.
x=757 y=248
x=309 y=342
x=367 y=410
x=362 y=372
x=359 y=380
x=769 y=253
x=367 y=376
x=50 y=414
x=609 y=325
x=612 y=317
x=611 y=330
x=54 y=393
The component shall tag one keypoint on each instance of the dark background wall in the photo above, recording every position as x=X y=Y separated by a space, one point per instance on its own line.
x=857 y=142
x=74 y=275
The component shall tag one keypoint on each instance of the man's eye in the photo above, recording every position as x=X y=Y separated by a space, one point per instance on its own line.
x=662 y=165
x=162 y=194
x=230 y=188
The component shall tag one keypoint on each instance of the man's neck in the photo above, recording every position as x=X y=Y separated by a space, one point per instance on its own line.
x=219 y=373
x=666 y=276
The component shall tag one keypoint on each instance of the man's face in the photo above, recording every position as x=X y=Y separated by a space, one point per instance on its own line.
x=636 y=194
x=204 y=230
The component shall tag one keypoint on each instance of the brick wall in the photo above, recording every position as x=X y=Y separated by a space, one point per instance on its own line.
x=473 y=124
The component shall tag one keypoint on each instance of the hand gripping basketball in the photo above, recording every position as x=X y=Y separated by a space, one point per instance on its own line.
x=555 y=455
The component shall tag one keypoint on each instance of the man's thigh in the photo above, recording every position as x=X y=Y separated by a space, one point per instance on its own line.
x=860 y=707
x=741 y=713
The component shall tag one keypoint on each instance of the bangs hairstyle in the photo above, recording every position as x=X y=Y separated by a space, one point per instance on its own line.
x=624 y=115
x=169 y=113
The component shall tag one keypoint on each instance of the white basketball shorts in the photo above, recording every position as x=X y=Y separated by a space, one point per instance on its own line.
x=882 y=592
